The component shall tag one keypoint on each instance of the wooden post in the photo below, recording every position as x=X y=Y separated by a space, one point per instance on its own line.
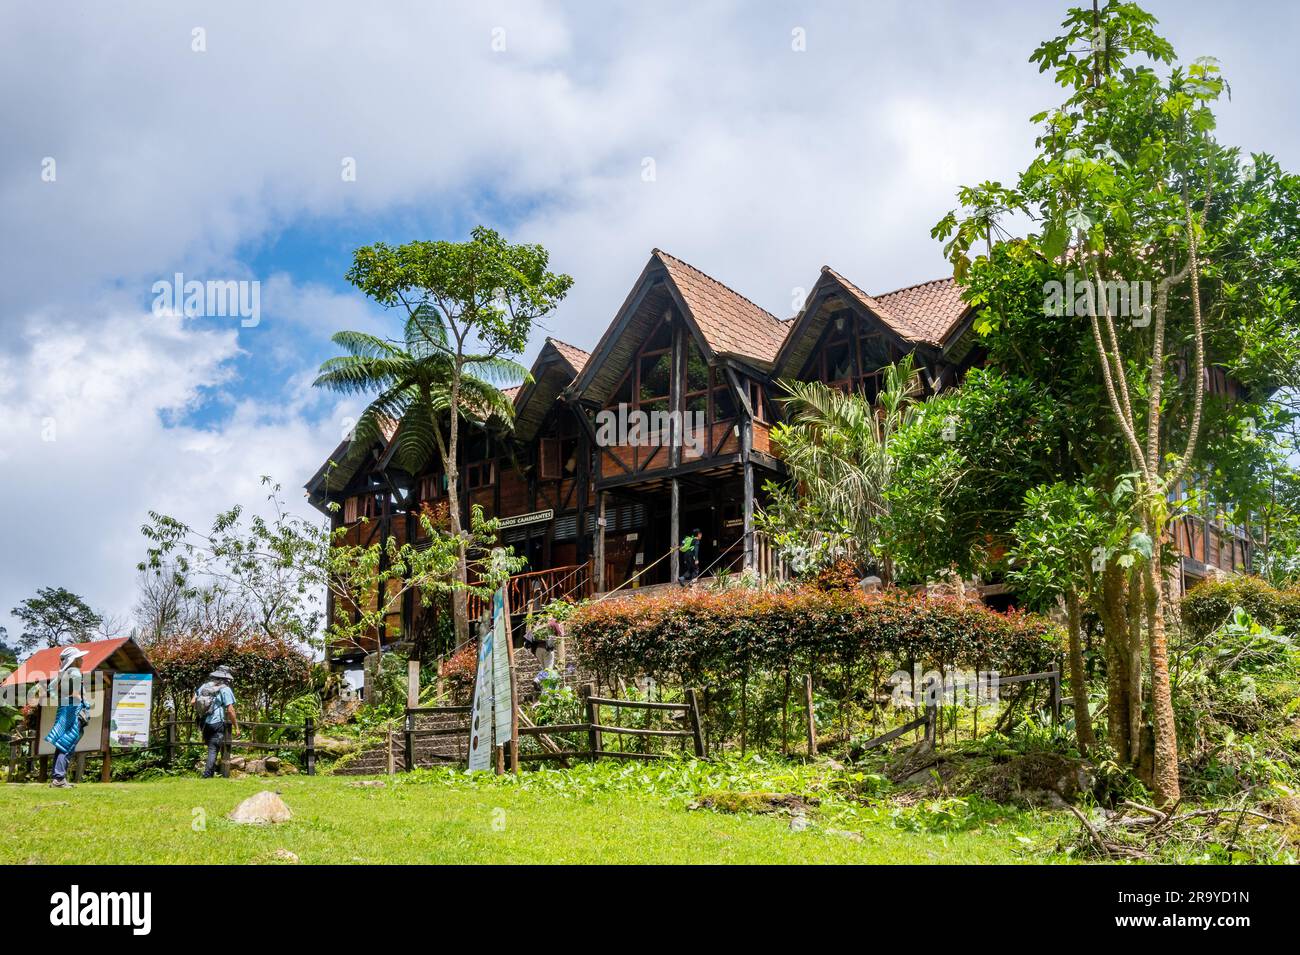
x=601 y=582
x=170 y=756
x=225 y=754
x=412 y=684
x=42 y=768
x=593 y=735
x=1056 y=696
x=79 y=768
x=931 y=722
x=410 y=741
x=696 y=731
x=309 y=742
x=675 y=535
x=811 y=716
x=749 y=507
x=106 y=705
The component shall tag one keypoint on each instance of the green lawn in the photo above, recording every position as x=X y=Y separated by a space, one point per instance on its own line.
x=440 y=818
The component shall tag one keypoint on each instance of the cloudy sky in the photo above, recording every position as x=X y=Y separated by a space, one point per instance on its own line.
x=212 y=139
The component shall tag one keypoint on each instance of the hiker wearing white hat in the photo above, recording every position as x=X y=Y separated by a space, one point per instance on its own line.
x=214 y=708
x=73 y=714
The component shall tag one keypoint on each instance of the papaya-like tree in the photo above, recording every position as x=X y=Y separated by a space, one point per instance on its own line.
x=1169 y=258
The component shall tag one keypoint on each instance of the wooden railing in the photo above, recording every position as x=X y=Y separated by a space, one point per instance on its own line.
x=571 y=582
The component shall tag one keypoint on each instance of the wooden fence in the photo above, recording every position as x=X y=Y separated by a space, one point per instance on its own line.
x=595 y=729
x=23 y=749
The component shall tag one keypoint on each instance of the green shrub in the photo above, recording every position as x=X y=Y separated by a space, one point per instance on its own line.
x=1209 y=605
x=735 y=634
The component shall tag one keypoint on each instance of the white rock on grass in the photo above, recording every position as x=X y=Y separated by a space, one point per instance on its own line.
x=260 y=809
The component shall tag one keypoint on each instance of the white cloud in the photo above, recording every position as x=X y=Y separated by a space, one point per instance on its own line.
x=769 y=163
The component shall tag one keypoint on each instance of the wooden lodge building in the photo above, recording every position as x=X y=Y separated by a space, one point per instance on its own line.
x=591 y=515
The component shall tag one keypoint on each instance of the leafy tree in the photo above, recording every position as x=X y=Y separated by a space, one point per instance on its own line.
x=266 y=576
x=1130 y=186
x=962 y=468
x=53 y=617
x=467 y=305
x=263 y=569
x=8 y=654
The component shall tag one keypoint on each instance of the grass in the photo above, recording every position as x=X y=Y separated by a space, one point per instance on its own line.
x=603 y=814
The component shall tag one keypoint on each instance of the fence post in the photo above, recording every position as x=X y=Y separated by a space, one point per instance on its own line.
x=309 y=741
x=225 y=755
x=593 y=734
x=410 y=740
x=808 y=707
x=1056 y=696
x=11 y=768
x=696 y=732
x=170 y=756
x=931 y=720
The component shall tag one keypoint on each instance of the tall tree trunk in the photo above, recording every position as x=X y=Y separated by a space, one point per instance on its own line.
x=1078 y=682
x=1114 y=627
x=459 y=612
x=1167 y=791
x=1136 y=708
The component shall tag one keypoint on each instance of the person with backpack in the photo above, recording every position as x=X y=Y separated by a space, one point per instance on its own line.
x=214 y=709
x=73 y=714
x=690 y=557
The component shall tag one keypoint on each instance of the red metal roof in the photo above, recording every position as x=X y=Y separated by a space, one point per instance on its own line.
x=43 y=664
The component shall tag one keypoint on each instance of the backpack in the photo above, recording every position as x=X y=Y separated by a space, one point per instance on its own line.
x=204 y=700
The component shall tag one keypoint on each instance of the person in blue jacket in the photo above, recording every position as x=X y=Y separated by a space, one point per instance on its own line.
x=73 y=714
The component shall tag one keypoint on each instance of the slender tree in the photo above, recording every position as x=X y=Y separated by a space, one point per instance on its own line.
x=468 y=306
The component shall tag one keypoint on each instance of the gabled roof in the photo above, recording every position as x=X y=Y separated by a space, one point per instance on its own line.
x=554 y=369
x=930 y=313
x=338 y=471
x=120 y=654
x=727 y=323
x=934 y=309
x=575 y=356
x=730 y=323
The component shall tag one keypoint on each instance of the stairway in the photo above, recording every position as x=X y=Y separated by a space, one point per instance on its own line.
x=429 y=750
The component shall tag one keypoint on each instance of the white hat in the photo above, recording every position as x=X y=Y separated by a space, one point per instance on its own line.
x=69 y=656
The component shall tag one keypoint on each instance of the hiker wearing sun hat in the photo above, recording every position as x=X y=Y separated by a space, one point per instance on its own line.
x=73 y=714
x=214 y=708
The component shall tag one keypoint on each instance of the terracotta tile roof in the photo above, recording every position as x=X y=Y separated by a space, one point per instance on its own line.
x=574 y=355
x=512 y=392
x=895 y=321
x=933 y=308
x=731 y=323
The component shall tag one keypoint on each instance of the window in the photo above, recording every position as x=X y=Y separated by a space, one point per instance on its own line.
x=756 y=402
x=482 y=474
x=656 y=374
x=724 y=404
x=359 y=506
x=431 y=486
x=548 y=459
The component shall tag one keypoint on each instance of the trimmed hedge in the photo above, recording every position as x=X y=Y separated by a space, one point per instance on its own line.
x=1209 y=604
x=729 y=635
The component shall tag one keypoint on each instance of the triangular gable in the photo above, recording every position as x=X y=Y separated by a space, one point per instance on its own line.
x=724 y=322
x=337 y=472
x=925 y=314
x=554 y=369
